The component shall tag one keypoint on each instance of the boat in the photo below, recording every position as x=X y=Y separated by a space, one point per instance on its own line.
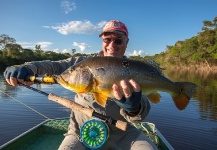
x=50 y=133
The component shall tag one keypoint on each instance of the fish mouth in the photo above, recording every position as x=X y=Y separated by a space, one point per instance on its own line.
x=73 y=87
x=62 y=82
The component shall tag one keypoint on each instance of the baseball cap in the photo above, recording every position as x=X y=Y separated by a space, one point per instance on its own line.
x=115 y=26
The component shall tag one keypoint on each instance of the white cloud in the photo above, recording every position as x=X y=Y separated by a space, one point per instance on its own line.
x=81 y=46
x=138 y=53
x=60 y=51
x=46 y=27
x=26 y=44
x=77 y=27
x=44 y=45
x=56 y=50
x=30 y=45
x=68 y=6
x=65 y=51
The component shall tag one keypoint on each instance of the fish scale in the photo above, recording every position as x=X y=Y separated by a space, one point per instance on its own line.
x=97 y=75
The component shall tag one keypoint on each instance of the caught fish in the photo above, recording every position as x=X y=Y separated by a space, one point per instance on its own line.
x=98 y=74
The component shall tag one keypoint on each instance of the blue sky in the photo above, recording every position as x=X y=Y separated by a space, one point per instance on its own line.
x=62 y=25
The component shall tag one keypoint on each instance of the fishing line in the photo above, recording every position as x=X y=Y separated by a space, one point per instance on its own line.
x=33 y=108
x=25 y=105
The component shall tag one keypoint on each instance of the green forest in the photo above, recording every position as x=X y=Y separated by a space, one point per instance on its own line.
x=198 y=50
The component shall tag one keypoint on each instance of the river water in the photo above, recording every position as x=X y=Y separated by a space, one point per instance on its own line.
x=195 y=127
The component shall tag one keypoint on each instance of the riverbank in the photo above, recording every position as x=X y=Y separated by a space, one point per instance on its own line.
x=205 y=67
x=192 y=67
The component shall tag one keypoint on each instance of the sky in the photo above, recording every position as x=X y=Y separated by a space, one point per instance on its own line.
x=63 y=25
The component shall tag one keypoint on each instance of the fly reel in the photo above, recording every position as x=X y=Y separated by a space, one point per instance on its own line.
x=94 y=133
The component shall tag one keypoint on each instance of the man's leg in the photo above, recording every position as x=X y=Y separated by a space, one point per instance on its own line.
x=71 y=142
x=143 y=142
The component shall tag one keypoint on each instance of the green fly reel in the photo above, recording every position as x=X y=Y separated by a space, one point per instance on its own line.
x=94 y=133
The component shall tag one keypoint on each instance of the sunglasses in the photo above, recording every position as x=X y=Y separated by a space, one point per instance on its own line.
x=117 y=41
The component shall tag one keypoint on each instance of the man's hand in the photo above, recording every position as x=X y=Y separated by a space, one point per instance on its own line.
x=130 y=102
x=15 y=74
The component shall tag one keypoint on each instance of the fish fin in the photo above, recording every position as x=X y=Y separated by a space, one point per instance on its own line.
x=101 y=98
x=96 y=83
x=154 y=64
x=181 y=101
x=154 y=97
x=186 y=91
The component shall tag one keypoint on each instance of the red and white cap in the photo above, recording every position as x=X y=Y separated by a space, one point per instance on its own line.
x=115 y=26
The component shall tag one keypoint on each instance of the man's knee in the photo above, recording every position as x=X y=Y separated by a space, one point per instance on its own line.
x=71 y=142
x=143 y=142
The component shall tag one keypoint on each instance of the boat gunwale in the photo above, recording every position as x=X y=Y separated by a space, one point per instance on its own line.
x=164 y=140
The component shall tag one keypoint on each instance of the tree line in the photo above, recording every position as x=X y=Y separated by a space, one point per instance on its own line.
x=197 y=50
x=12 y=53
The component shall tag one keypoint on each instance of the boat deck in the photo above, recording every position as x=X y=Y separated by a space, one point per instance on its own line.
x=46 y=136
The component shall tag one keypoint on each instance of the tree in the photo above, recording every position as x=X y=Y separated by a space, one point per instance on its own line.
x=4 y=40
x=38 y=47
x=73 y=51
x=215 y=22
x=29 y=55
x=207 y=25
x=14 y=51
x=38 y=52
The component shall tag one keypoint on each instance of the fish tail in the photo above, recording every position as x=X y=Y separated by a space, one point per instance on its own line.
x=184 y=93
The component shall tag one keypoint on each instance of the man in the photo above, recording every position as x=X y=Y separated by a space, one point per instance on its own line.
x=129 y=106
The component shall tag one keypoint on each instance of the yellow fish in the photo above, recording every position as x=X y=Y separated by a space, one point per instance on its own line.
x=98 y=74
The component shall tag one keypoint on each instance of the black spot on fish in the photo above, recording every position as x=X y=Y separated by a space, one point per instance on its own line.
x=125 y=63
x=152 y=71
x=71 y=70
x=126 y=66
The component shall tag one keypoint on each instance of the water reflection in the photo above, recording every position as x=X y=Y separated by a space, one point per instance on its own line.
x=9 y=90
x=199 y=118
x=206 y=92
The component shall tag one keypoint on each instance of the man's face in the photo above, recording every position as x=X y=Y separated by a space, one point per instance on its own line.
x=114 y=44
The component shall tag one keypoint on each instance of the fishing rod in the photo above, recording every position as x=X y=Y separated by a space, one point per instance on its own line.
x=71 y=104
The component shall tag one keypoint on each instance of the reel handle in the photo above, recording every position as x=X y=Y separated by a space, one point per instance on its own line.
x=87 y=111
